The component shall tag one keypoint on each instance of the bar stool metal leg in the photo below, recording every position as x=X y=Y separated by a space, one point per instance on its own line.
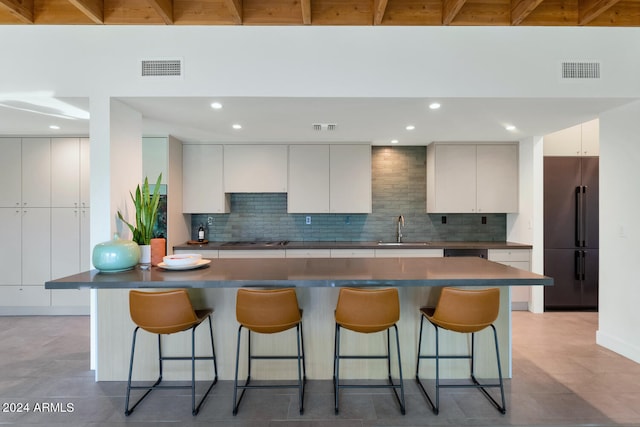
x=393 y=386
x=484 y=318
x=302 y=373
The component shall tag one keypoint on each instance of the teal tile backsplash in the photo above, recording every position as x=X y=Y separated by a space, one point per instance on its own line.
x=398 y=188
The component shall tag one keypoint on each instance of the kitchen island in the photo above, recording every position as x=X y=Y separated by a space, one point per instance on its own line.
x=316 y=280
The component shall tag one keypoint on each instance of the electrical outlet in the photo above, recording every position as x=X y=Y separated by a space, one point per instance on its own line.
x=209 y=220
x=307 y=220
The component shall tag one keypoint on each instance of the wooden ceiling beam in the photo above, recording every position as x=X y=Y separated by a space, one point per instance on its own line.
x=450 y=9
x=164 y=8
x=520 y=9
x=588 y=10
x=380 y=6
x=21 y=9
x=93 y=9
x=235 y=7
x=306 y=11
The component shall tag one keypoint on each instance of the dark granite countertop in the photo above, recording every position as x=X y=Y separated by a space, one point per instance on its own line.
x=355 y=245
x=313 y=272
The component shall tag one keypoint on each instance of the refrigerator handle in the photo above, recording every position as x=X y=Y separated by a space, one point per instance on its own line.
x=583 y=265
x=578 y=219
x=584 y=216
x=577 y=265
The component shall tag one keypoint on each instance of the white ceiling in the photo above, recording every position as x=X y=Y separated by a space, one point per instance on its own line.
x=375 y=120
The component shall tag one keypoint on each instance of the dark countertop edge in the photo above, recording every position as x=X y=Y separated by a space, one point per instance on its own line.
x=222 y=284
x=357 y=245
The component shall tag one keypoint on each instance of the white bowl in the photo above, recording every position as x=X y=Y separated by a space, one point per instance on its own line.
x=181 y=259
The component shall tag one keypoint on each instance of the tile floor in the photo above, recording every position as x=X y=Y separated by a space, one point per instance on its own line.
x=561 y=378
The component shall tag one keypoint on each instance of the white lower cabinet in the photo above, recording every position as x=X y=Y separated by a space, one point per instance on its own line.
x=253 y=253
x=409 y=253
x=308 y=253
x=206 y=253
x=26 y=257
x=24 y=296
x=11 y=247
x=69 y=252
x=353 y=253
x=517 y=258
x=36 y=246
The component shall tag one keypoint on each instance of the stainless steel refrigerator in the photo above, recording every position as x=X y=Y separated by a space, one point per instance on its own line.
x=571 y=232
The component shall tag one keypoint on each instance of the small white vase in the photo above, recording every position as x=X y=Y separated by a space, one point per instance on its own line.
x=145 y=257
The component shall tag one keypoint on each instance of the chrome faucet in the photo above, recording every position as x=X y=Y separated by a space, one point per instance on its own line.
x=400 y=225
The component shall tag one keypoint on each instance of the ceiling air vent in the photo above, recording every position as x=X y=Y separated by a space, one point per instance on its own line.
x=580 y=70
x=161 y=68
x=324 y=127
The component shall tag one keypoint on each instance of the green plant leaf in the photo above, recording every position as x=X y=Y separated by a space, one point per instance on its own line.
x=146 y=206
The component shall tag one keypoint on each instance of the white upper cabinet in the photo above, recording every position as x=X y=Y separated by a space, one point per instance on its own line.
x=350 y=178
x=451 y=178
x=579 y=140
x=65 y=172
x=329 y=178
x=497 y=178
x=36 y=172
x=255 y=168
x=70 y=174
x=202 y=179
x=308 y=179
x=11 y=172
x=472 y=178
x=85 y=172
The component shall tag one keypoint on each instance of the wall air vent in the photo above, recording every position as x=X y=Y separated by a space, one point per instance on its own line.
x=161 y=68
x=580 y=70
x=319 y=127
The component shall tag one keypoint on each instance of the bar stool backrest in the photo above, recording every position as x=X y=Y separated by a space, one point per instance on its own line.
x=466 y=310
x=367 y=310
x=267 y=311
x=162 y=312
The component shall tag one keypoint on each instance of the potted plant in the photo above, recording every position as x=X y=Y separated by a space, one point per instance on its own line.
x=146 y=205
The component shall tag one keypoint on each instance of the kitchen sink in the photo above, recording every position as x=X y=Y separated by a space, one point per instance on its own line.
x=403 y=243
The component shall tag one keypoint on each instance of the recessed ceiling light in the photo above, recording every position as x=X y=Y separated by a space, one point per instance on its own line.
x=394 y=141
x=510 y=127
x=237 y=126
x=216 y=105
x=434 y=105
x=55 y=127
x=410 y=127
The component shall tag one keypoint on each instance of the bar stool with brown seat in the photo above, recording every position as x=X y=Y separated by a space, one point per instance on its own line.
x=368 y=311
x=463 y=311
x=269 y=311
x=164 y=313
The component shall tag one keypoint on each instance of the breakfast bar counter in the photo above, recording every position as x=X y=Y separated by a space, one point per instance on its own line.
x=316 y=280
x=313 y=272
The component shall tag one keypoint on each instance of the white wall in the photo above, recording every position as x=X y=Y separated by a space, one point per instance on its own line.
x=526 y=225
x=619 y=231
x=318 y=61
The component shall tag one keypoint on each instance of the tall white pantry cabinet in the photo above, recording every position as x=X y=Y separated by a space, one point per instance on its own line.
x=44 y=221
